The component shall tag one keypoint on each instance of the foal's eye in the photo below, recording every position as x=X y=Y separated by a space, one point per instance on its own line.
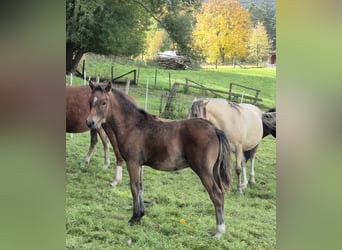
x=104 y=103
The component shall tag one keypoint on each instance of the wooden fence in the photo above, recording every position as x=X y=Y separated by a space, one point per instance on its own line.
x=230 y=95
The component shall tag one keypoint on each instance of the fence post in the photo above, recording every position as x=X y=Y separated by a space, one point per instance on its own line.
x=83 y=67
x=161 y=102
x=169 y=81
x=85 y=78
x=127 y=86
x=242 y=95
x=256 y=96
x=112 y=73
x=155 y=79
x=146 y=99
x=168 y=107
x=135 y=76
x=186 y=87
x=137 y=82
x=230 y=90
x=97 y=79
x=70 y=80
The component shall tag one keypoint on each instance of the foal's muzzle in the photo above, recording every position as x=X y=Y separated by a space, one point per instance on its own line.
x=90 y=124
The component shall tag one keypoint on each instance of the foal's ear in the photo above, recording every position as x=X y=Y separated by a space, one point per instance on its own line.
x=108 y=87
x=91 y=84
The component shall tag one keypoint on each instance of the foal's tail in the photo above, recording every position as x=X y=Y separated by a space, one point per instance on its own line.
x=223 y=166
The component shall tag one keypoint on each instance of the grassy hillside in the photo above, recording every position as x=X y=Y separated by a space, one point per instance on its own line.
x=263 y=79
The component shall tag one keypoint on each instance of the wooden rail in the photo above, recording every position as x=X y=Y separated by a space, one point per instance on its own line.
x=226 y=94
x=255 y=98
x=134 y=76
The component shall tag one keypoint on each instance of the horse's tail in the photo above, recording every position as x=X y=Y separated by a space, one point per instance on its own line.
x=223 y=166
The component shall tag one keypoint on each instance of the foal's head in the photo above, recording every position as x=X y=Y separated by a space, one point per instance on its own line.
x=99 y=106
x=198 y=109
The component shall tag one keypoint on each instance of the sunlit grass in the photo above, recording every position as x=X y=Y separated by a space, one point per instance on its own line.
x=97 y=215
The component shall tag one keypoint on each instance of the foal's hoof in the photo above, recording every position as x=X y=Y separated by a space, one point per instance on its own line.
x=240 y=191
x=241 y=187
x=113 y=183
x=221 y=229
x=251 y=181
x=104 y=167
x=134 y=221
x=84 y=163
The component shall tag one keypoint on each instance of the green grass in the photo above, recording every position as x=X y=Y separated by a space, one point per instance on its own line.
x=97 y=215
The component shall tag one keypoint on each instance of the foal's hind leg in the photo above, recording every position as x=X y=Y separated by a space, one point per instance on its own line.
x=105 y=143
x=93 y=142
x=217 y=197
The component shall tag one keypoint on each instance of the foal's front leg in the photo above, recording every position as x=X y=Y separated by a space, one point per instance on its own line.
x=93 y=142
x=135 y=175
x=119 y=160
x=105 y=142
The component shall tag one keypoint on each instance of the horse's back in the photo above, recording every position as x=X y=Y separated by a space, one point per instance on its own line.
x=77 y=108
x=242 y=123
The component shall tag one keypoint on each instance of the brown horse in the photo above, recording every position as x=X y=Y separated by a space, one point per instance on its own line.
x=244 y=125
x=77 y=110
x=144 y=139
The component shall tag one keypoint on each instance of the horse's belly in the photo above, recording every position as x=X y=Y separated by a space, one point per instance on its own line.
x=170 y=165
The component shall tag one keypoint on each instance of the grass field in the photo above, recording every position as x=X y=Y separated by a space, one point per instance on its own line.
x=97 y=215
x=179 y=213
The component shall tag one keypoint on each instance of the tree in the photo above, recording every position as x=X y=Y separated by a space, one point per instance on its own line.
x=259 y=45
x=118 y=26
x=175 y=18
x=222 y=30
x=265 y=14
x=103 y=27
x=154 y=40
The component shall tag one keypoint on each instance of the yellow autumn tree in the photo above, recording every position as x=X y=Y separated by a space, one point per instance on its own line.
x=259 y=45
x=154 y=40
x=222 y=31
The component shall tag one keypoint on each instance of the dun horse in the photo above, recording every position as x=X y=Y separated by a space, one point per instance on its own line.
x=244 y=125
x=144 y=139
x=77 y=110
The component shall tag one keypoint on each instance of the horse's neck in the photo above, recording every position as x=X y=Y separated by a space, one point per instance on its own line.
x=123 y=117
